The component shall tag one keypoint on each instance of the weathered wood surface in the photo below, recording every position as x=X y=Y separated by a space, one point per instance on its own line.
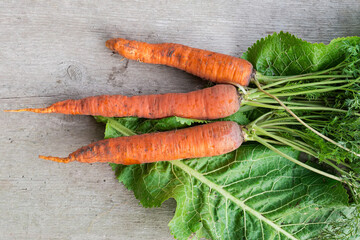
x=52 y=51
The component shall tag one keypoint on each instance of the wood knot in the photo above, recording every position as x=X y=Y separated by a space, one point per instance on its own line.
x=74 y=72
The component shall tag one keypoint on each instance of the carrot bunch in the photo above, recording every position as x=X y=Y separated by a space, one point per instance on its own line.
x=211 y=103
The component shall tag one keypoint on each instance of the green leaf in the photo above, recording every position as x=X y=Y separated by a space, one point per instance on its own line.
x=238 y=117
x=251 y=193
x=142 y=125
x=283 y=54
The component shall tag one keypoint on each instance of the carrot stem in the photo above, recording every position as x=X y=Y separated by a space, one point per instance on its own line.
x=305 y=124
x=120 y=128
x=260 y=140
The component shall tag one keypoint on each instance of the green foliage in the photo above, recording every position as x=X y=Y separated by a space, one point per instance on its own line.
x=250 y=193
x=329 y=79
x=142 y=125
x=352 y=58
x=283 y=54
x=344 y=130
x=238 y=117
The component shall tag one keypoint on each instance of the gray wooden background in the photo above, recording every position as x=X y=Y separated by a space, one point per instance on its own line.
x=51 y=51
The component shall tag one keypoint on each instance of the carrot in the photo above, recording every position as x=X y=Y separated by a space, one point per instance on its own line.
x=210 y=103
x=216 y=67
x=200 y=141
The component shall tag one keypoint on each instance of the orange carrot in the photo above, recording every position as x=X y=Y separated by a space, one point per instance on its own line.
x=200 y=141
x=216 y=67
x=210 y=103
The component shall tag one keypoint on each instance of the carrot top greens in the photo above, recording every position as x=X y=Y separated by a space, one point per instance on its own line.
x=322 y=107
x=255 y=192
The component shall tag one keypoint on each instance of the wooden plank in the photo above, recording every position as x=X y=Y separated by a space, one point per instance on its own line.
x=52 y=51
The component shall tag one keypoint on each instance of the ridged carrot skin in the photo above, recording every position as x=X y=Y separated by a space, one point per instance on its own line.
x=210 y=103
x=216 y=67
x=200 y=141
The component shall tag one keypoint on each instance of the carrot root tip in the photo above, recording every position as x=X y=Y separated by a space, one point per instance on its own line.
x=55 y=159
x=16 y=110
x=35 y=110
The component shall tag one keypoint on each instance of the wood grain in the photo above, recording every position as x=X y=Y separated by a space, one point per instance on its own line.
x=51 y=51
